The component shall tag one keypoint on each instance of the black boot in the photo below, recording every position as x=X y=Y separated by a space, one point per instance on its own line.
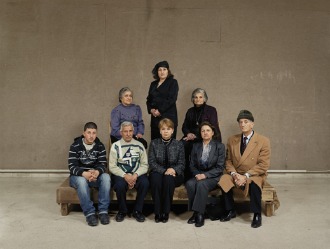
x=192 y=219
x=165 y=217
x=199 y=220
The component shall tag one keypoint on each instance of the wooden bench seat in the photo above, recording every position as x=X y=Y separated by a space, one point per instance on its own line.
x=66 y=196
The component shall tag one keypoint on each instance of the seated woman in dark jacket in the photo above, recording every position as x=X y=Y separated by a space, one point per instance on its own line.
x=195 y=115
x=166 y=164
x=206 y=165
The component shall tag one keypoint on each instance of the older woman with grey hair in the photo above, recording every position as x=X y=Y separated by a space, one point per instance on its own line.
x=195 y=115
x=127 y=111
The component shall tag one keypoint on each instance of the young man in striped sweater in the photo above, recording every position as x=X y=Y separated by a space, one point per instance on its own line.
x=87 y=165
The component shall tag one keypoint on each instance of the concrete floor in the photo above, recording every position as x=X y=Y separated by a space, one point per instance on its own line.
x=30 y=218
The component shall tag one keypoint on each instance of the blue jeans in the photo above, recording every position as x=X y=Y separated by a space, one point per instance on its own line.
x=82 y=186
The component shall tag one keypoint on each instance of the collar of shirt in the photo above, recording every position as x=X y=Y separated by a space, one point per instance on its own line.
x=248 y=137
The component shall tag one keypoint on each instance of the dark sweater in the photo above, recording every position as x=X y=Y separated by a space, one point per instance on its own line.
x=81 y=160
x=200 y=114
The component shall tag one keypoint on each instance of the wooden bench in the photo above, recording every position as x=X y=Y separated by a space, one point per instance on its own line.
x=66 y=196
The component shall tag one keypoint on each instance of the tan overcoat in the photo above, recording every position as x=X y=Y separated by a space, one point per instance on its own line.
x=255 y=161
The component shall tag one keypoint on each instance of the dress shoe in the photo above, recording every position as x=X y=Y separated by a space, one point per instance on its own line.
x=164 y=218
x=192 y=219
x=120 y=216
x=138 y=216
x=158 y=218
x=256 y=222
x=199 y=220
x=228 y=215
x=92 y=220
x=104 y=219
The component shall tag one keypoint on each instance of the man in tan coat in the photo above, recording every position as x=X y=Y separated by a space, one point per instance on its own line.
x=247 y=162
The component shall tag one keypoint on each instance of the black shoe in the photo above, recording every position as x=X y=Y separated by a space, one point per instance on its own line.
x=138 y=216
x=199 y=220
x=120 y=216
x=228 y=215
x=92 y=220
x=164 y=218
x=158 y=218
x=104 y=219
x=192 y=219
x=256 y=222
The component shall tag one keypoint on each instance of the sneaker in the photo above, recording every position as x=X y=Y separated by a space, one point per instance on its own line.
x=120 y=216
x=92 y=220
x=104 y=219
x=138 y=216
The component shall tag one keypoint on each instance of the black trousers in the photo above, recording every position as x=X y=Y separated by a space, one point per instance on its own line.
x=162 y=190
x=255 y=198
x=187 y=151
x=120 y=186
x=198 y=192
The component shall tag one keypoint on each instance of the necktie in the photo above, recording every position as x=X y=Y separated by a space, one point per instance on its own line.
x=244 y=144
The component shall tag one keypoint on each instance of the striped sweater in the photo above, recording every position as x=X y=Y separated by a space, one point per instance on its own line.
x=81 y=160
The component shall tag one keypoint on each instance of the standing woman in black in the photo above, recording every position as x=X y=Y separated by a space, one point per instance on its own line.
x=162 y=96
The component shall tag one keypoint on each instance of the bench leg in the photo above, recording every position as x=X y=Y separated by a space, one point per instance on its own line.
x=65 y=209
x=269 y=208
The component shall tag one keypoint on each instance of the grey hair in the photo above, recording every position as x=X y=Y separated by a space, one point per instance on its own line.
x=126 y=123
x=199 y=90
x=122 y=91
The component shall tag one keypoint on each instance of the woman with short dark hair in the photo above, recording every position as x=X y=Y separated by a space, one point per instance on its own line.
x=206 y=166
x=162 y=96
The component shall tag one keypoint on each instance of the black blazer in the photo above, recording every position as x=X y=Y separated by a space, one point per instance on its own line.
x=216 y=160
x=164 y=99
x=156 y=156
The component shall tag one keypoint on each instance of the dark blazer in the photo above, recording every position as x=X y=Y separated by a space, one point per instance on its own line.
x=209 y=114
x=216 y=160
x=156 y=156
x=164 y=99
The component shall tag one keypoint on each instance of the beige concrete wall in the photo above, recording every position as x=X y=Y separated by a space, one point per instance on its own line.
x=62 y=63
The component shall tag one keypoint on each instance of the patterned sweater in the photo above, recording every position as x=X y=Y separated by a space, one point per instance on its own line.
x=128 y=158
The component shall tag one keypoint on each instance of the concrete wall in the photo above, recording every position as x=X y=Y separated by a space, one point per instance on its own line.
x=62 y=63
